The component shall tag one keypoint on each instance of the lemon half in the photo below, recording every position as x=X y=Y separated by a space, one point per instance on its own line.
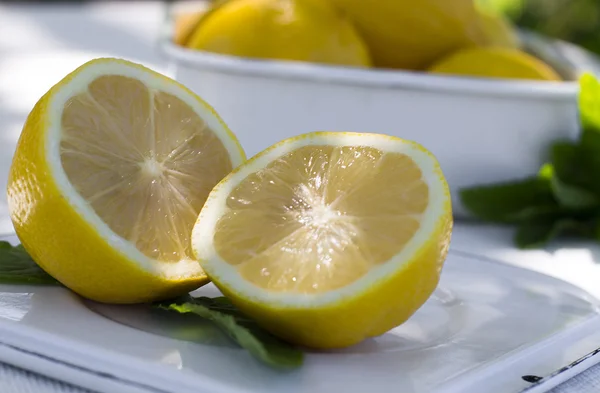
x=328 y=238
x=110 y=172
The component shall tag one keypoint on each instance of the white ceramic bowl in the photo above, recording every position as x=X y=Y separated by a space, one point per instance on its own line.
x=481 y=130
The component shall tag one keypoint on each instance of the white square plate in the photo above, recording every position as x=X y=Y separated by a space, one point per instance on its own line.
x=487 y=326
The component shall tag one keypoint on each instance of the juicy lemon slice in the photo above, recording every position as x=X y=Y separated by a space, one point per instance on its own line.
x=328 y=238
x=111 y=170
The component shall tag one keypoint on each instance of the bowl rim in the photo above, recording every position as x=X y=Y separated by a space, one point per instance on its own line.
x=365 y=78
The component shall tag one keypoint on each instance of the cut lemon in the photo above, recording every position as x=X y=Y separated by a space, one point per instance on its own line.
x=328 y=238
x=111 y=170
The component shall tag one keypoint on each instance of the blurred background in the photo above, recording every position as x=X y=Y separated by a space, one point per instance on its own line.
x=577 y=21
x=41 y=41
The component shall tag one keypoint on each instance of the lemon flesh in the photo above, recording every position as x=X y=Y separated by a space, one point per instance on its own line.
x=495 y=62
x=143 y=160
x=412 y=34
x=111 y=170
x=331 y=223
x=328 y=238
x=298 y=30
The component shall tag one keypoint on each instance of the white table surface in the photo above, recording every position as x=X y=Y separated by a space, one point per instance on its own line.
x=40 y=44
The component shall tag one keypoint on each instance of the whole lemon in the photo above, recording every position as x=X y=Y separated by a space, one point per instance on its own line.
x=498 y=30
x=300 y=30
x=495 y=62
x=184 y=25
x=412 y=34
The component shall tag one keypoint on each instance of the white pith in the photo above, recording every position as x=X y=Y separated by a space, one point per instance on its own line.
x=215 y=206
x=78 y=84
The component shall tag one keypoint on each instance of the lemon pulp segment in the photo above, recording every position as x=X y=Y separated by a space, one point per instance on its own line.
x=143 y=160
x=322 y=227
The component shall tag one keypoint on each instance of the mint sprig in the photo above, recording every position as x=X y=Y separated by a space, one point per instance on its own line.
x=17 y=267
x=241 y=329
x=563 y=198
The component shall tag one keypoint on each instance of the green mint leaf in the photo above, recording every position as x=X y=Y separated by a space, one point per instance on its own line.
x=224 y=305
x=588 y=162
x=589 y=103
x=566 y=160
x=538 y=213
x=537 y=234
x=532 y=235
x=504 y=202
x=569 y=196
x=572 y=196
x=243 y=330
x=17 y=267
x=595 y=229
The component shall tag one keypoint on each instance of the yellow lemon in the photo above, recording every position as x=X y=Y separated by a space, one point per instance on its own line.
x=184 y=25
x=110 y=172
x=301 y=30
x=495 y=63
x=186 y=16
x=497 y=30
x=328 y=238
x=412 y=34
